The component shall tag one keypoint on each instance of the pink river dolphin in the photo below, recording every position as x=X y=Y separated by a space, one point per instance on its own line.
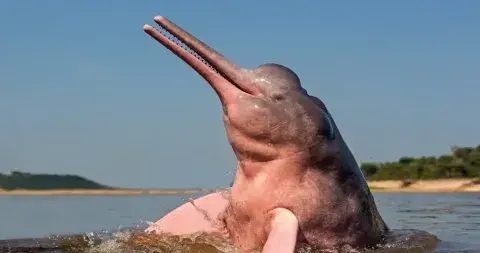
x=296 y=179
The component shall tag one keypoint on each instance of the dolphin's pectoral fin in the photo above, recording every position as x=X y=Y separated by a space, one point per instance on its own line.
x=282 y=237
x=203 y=211
x=216 y=222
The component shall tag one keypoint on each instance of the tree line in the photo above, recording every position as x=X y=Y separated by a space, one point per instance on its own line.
x=29 y=181
x=463 y=162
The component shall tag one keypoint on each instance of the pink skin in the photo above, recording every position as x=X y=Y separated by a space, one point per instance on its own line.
x=296 y=179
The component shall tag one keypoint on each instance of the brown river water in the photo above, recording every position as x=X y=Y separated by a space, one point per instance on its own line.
x=421 y=222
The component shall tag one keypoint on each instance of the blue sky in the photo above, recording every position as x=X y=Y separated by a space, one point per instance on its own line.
x=83 y=90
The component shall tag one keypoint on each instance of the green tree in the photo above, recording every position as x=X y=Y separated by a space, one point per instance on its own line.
x=369 y=169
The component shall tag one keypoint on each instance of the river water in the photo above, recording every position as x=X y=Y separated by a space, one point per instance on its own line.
x=452 y=217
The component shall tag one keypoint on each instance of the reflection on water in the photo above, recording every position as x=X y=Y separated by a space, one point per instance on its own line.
x=418 y=222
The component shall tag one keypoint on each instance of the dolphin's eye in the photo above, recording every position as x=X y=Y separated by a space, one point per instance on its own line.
x=328 y=130
x=278 y=97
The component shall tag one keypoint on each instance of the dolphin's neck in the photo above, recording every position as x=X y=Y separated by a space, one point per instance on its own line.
x=287 y=166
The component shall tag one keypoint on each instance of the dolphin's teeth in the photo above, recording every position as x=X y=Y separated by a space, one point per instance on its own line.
x=177 y=41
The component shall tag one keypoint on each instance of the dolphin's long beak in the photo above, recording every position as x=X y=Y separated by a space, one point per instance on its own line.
x=227 y=79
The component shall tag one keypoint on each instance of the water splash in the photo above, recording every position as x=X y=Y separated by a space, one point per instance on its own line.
x=136 y=241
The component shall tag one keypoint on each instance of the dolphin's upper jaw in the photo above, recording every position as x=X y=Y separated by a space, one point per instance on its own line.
x=227 y=79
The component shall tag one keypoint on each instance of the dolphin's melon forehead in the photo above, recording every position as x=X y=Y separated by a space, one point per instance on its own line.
x=278 y=74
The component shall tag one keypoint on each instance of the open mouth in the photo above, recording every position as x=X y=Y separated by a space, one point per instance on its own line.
x=226 y=78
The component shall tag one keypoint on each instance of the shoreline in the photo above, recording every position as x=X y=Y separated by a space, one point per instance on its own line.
x=392 y=186
x=99 y=192
x=426 y=186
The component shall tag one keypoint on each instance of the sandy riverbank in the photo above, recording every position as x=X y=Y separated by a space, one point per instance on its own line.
x=439 y=185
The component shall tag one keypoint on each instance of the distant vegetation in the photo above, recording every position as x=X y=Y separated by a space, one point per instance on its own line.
x=463 y=162
x=28 y=181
